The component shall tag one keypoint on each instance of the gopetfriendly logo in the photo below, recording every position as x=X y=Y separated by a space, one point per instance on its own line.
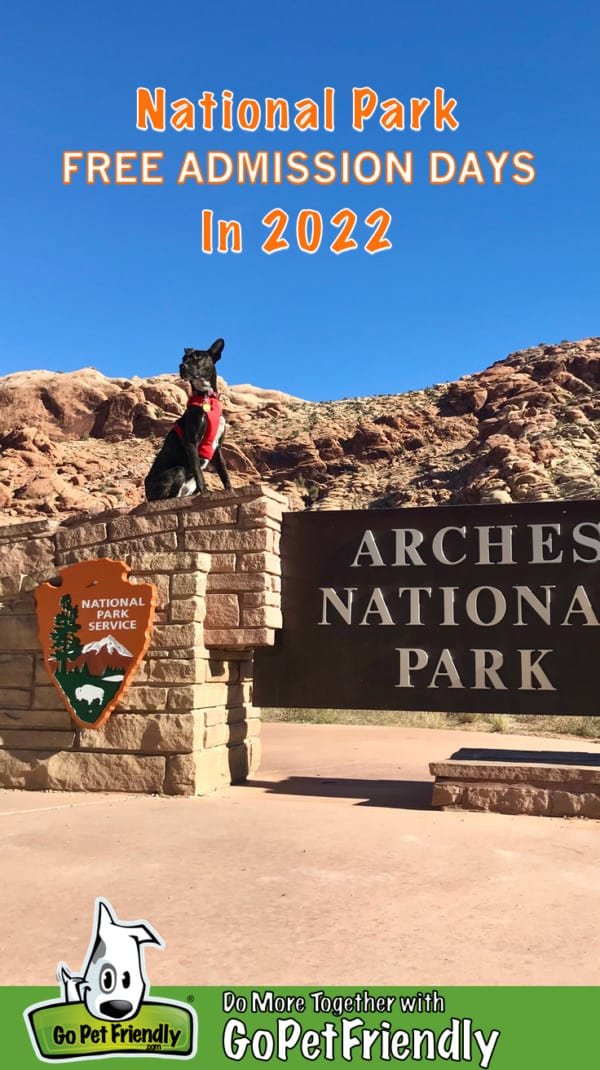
x=104 y=1010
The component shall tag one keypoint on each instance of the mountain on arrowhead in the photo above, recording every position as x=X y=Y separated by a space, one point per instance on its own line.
x=109 y=644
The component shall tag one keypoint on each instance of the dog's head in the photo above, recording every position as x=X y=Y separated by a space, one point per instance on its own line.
x=198 y=366
x=114 y=982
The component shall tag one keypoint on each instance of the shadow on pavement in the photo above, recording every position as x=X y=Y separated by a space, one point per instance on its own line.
x=403 y=794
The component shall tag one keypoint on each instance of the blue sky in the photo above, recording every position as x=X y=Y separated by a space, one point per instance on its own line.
x=114 y=276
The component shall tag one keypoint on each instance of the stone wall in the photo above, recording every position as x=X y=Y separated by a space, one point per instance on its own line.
x=186 y=724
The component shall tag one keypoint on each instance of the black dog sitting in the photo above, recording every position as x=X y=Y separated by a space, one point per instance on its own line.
x=196 y=437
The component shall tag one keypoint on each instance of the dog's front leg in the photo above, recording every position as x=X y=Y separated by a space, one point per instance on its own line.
x=194 y=428
x=219 y=463
x=195 y=466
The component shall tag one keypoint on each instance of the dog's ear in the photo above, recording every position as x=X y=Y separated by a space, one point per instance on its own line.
x=145 y=935
x=186 y=351
x=216 y=349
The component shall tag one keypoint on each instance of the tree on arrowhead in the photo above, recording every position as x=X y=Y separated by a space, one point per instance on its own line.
x=65 y=643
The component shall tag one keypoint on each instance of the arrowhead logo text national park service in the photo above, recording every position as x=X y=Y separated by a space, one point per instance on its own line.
x=94 y=630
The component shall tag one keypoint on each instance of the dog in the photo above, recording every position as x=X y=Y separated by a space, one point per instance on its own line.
x=197 y=436
x=113 y=981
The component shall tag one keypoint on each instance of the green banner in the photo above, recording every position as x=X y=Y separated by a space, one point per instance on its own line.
x=503 y=1028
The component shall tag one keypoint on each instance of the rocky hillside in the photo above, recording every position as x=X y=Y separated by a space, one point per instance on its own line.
x=522 y=430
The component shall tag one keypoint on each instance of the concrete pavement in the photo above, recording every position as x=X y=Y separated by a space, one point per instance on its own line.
x=328 y=868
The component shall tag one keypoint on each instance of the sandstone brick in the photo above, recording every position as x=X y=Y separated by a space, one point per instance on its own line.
x=214 y=516
x=80 y=535
x=197 y=696
x=16 y=670
x=215 y=715
x=240 y=637
x=216 y=735
x=246 y=669
x=40 y=673
x=165 y=636
x=162 y=583
x=35 y=739
x=187 y=609
x=254 y=599
x=32 y=580
x=146 y=733
x=141 y=675
x=223 y=669
x=29 y=555
x=228 y=714
x=178 y=671
x=243 y=760
x=81 y=771
x=144 y=697
x=263 y=562
x=12 y=698
x=253 y=726
x=262 y=617
x=48 y=720
x=130 y=527
x=589 y=805
x=228 y=540
x=198 y=773
x=161 y=541
x=502 y=798
x=180 y=653
x=188 y=584
x=177 y=562
x=261 y=507
x=28 y=527
x=247 y=581
x=260 y=522
x=255 y=748
x=137 y=553
x=18 y=632
x=238 y=730
x=445 y=794
x=222 y=610
x=168 y=504
x=223 y=562
x=46 y=697
x=9 y=584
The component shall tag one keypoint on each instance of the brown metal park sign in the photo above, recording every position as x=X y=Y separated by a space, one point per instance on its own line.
x=94 y=630
x=465 y=608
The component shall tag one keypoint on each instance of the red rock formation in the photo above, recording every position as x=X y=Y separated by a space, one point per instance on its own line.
x=522 y=430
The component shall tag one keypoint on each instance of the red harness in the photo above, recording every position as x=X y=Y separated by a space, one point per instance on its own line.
x=211 y=405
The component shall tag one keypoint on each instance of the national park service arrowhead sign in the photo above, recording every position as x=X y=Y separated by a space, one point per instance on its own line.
x=94 y=630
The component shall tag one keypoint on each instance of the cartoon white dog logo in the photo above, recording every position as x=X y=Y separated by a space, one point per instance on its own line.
x=113 y=980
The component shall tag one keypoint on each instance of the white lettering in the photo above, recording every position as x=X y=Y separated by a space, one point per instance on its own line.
x=486 y=544
x=531 y=670
x=370 y=547
x=407 y=539
x=580 y=603
x=587 y=540
x=489 y=671
x=409 y=665
x=472 y=606
x=344 y=610
x=541 y=542
x=437 y=546
x=377 y=605
x=446 y=667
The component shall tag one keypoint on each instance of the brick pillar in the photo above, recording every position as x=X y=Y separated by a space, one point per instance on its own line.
x=186 y=725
